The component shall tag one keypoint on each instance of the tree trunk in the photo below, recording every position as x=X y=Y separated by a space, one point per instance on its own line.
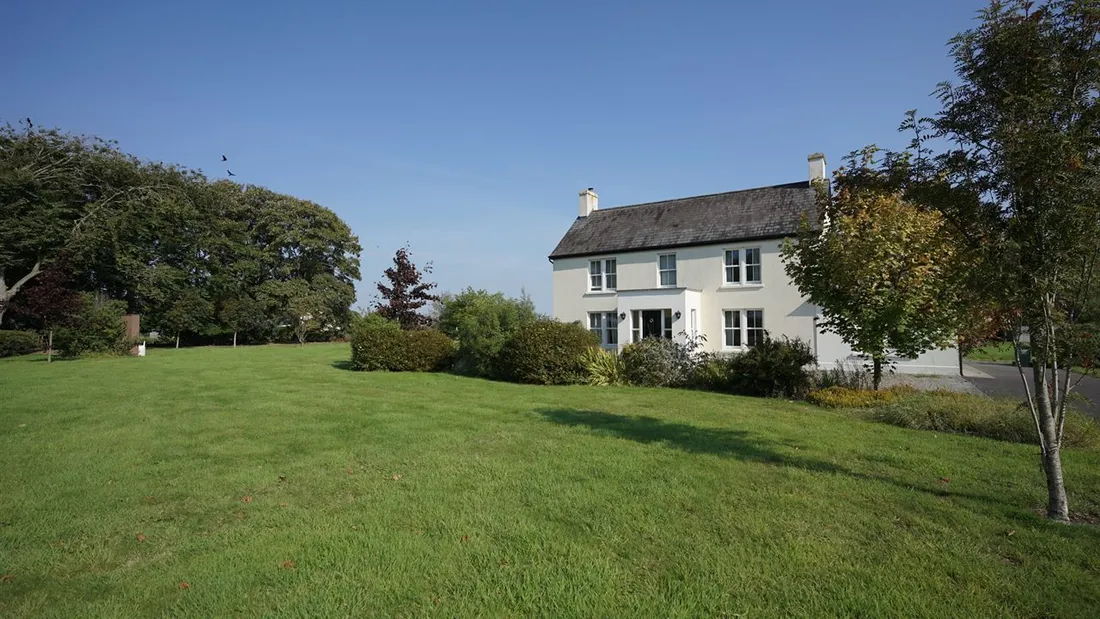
x=49 y=348
x=177 y=340
x=7 y=294
x=959 y=348
x=1057 y=504
x=876 y=376
x=234 y=339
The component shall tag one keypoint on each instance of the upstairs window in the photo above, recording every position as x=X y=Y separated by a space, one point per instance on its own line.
x=752 y=266
x=666 y=268
x=602 y=275
x=742 y=266
x=733 y=266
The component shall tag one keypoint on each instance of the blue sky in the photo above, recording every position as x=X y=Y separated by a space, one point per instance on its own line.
x=467 y=128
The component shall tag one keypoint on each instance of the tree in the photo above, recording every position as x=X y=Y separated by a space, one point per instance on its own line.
x=880 y=269
x=190 y=312
x=1021 y=129
x=307 y=313
x=482 y=323
x=407 y=293
x=51 y=301
x=242 y=313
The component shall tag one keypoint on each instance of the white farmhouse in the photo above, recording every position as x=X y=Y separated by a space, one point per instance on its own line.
x=705 y=265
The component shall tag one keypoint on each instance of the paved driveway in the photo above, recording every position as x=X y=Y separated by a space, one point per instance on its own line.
x=1005 y=380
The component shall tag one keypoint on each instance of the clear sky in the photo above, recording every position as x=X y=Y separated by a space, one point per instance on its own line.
x=467 y=128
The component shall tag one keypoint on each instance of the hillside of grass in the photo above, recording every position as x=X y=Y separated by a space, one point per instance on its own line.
x=273 y=481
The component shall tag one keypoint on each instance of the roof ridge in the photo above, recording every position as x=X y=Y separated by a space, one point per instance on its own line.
x=794 y=185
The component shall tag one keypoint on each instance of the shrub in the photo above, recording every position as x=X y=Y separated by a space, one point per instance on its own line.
x=656 y=362
x=13 y=343
x=604 y=367
x=844 y=374
x=481 y=323
x=1002 y=419
x=96 y=329
x=425 y=350
x=838 y=396
x=772 y=368
x=546 y=352
x=380 y=344
x=374 y=343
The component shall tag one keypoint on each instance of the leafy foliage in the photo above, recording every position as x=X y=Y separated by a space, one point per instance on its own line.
x=846 y=374
x=772 y=368
x=407 y=293
x=98 y=328
x=482 y=323
x=381 y=344
x=13 y=343
x=1005 y=420
x=882 y=270
x=173 y=246
x=546 y=352
x=837 y=396
x=604 y=367
x=657 y=362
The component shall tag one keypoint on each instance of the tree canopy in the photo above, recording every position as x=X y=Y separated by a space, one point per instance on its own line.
x=188 y=254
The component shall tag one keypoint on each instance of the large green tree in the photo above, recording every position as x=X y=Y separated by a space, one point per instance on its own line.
x=882 y=271
x=161 y=238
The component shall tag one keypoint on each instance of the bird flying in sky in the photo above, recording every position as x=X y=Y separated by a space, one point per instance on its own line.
x=230 y=172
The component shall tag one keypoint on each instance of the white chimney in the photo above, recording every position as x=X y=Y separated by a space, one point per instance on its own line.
x=817 y=167
x=589 y=202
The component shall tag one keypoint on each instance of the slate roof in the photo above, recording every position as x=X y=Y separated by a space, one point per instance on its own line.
x=749 y=214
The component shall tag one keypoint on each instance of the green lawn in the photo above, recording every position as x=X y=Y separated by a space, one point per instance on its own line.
x=995 y=352
x=274 y=482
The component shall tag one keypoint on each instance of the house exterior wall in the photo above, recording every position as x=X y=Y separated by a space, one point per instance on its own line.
x=700 y=279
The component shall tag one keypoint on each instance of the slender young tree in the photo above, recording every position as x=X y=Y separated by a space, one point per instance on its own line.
x=1021 y=124
x=407 y=292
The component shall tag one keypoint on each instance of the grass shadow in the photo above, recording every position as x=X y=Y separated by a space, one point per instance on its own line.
x=726 y=443
x=343 y=365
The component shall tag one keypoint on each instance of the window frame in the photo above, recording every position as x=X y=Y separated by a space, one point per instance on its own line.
x=742 y=328
x=661 y=271
x=602 y=281
x=607 y=328
x=742 y=266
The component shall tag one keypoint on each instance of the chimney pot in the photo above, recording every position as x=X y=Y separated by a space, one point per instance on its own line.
x=817 y=167
x=589 y=202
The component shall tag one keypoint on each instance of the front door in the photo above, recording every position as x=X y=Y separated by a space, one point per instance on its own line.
x=651 y=324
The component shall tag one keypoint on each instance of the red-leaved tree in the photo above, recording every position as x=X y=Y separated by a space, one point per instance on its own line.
x=51 y=301
x=407 y=292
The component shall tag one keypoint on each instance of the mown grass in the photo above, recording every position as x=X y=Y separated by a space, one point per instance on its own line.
x=994 y=352
x=273 y=482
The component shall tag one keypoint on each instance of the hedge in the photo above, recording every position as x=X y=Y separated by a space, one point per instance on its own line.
x=546 y=352
x=13 y=343
x=380 y=344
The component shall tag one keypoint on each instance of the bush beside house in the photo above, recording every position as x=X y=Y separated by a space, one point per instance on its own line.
x=546 y=352
x=97 y=328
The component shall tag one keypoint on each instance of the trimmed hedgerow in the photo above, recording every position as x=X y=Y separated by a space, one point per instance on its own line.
x=546 y=352
x=13 y=343
x=378 y=344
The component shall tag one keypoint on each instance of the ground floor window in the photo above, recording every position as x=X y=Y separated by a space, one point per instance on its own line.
x=742 y=328
x=650 y=323
x=606 y=326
